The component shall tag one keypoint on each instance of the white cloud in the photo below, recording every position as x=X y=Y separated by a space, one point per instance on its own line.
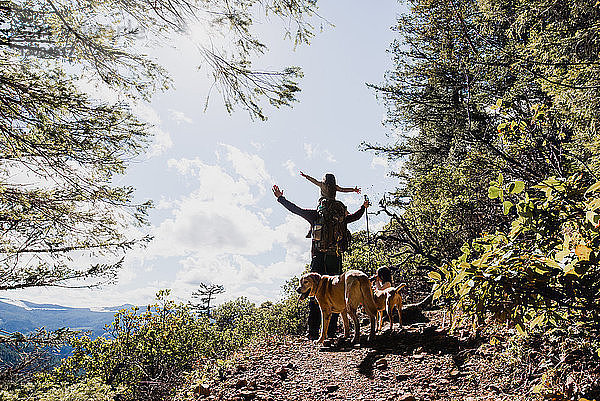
x=219 y=225
x=212 y=225
x=162 y=142
x=329 y=156
x=239 y=275
x=179 y=117
x=216 y=232
x=250 y=167
x=220 y=232
x=164 y=203
x=219 y=216
x=379 y=161
x=186 y=166
x=309 y=150
x=290 y=166
x=312 y=151
x=257 y=145
x=215 y=184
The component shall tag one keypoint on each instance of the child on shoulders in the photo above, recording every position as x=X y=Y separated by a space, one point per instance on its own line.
x=328 y=189
x=328 y=186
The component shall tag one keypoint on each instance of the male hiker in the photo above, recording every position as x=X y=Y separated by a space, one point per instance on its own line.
x=329 y=240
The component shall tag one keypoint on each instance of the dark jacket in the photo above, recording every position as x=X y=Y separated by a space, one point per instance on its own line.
x=312 y=216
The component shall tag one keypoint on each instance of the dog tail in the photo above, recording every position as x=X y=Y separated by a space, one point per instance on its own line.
x=394 y=290
x=368 y=300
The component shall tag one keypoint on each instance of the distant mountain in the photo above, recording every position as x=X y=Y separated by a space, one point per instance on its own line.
x=24 y=316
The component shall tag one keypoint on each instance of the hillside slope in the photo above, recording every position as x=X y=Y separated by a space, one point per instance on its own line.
x=24 y=316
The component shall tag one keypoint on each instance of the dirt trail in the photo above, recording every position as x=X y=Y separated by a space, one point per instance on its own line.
x=420 y=363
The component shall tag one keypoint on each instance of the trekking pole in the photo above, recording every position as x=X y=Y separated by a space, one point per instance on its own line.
x=368 y=238
x=367 y=217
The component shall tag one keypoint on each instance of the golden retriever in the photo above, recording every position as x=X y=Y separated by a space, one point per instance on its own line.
x=386 y=300
x=340 y=294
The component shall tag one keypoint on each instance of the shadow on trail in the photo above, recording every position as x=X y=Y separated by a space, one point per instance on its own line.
x=418 y=335
x=416 y=339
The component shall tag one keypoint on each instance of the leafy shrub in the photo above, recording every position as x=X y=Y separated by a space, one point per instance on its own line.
x=285 y=317
x=545 y=271
x=87 y=390
x=369 y=254
x=243 y=320
x=147 y=355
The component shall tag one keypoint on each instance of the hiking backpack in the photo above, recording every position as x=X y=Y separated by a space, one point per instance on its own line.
x=330 y=230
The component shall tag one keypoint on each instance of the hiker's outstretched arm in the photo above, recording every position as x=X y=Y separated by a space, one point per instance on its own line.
x=307 y=214
x=358 y=214
x=344 y=189
x=311 y=179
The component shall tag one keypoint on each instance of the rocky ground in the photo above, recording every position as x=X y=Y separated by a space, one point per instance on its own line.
x=421 y=362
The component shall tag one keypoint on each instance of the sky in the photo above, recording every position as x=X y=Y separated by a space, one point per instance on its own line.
x=210 y=173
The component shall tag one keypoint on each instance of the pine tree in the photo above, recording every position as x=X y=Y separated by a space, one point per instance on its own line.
x=205 y=294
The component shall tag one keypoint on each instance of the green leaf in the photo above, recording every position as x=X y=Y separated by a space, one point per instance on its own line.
x=520 y=328
x=537 y=321
x=551 y=262
x=464 y=290
x=550 y=184
x=594 y=204
x=506 y=206
x=435 y=276
x=593 y=188
x=516 y=227
x=592 y=217
x=493 y=192
x=541 y=269
x=562 y=254
x=516 y=187
x=458 y=278
x=571 y=269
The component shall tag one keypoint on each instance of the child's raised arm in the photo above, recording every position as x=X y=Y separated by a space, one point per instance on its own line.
x=313 y=180
x=342 y=189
